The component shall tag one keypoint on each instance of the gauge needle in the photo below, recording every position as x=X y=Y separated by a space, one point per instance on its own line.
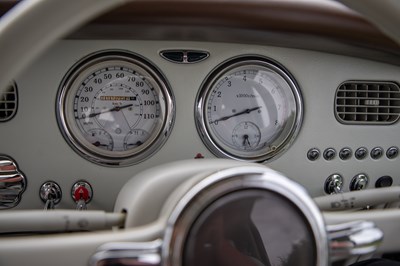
x=138 y=143
x=115 y=109
x=246 y=140
x=98 y=144
x=247 y=111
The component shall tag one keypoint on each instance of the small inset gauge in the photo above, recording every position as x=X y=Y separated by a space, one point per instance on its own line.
x=135 y=138
x=100 y=138
x=115 y=108
x=246 y=136
x=249 y=108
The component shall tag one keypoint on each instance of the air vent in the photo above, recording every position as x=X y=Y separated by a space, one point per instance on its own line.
x=8 y=103
x=367 y=103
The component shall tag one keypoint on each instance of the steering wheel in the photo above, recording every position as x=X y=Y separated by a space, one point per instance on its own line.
x=21 y=42
x=19 y=47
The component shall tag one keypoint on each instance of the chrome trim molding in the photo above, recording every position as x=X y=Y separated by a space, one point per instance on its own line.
x=353 y=239
x=12 y=183
x=128 y=254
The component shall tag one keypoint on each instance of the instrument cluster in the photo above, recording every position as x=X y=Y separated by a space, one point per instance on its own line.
x=116 y=108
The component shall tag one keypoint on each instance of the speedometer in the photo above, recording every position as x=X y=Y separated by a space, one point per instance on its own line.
x=248 y=108
x=115 y=108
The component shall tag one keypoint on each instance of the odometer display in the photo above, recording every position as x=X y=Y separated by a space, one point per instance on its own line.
x=248 y=109
x=115 y=108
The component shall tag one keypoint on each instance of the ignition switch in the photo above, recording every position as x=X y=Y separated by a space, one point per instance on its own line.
x=82 y=194
x=359 y=182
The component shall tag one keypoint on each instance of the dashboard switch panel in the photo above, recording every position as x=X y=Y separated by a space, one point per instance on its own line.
x=359 y=182
x=12 y=183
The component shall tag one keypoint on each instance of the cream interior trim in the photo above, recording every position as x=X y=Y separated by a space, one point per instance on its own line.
x=25 y=31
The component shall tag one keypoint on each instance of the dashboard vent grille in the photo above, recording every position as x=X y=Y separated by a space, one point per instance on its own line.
x=359 y=102
x=8 y=103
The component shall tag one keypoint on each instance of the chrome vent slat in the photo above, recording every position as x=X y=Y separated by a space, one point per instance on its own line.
x=365 y=113
x=360 y=102
x=370 y=98
x=388 y=107
x=380 y=91
x=8 y=103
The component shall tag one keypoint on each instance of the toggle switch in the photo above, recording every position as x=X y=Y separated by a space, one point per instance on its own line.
x=359 y=182
x=333 y=184
x=50 y=193
x=82 y=194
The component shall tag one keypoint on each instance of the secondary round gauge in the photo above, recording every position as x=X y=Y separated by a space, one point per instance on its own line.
x=248 y=108
x=115 y=108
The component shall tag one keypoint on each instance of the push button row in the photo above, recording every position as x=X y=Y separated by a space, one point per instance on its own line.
x=346 y=153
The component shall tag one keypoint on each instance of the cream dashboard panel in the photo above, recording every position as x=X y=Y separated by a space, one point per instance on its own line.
x=34 y=140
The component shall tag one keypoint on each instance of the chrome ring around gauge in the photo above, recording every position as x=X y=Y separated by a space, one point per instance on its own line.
x=249 y=108
x=115 y=108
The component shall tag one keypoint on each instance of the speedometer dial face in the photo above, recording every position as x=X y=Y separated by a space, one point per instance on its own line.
x=248 y=109
x=115 y=108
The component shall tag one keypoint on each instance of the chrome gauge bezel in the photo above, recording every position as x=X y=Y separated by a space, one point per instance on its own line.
x=285 y=138
x=68 y=90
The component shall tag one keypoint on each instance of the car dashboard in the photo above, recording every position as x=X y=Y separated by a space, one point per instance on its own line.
x=49 y=157
x=339 y=76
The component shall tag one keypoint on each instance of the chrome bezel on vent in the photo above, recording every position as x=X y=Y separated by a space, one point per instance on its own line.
x=12 y=89
x=366 y=117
